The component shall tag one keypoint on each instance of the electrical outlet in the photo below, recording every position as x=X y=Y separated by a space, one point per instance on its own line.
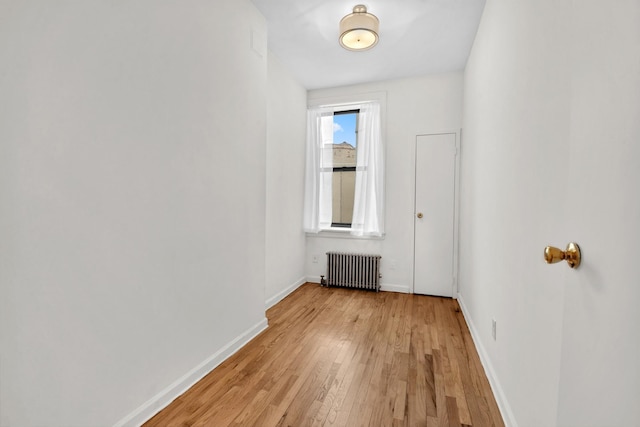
x=493 y=328
x=315 y=259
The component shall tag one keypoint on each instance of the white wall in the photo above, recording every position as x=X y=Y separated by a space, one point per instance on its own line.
x=514 y=154
x=126 y=258
x=427 y=104
x=286 y=133
x=523 y=190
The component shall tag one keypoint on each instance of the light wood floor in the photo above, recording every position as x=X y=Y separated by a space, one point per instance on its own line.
x=340 y=357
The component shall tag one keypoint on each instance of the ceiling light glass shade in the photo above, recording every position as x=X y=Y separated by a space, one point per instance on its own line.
x=359 y=30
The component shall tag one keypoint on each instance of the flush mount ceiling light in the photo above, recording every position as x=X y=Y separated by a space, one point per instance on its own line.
x=359 y=30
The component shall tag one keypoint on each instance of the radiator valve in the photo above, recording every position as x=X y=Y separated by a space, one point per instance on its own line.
x=323 y=282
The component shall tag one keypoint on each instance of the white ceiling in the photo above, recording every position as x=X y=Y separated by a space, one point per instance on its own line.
x=417 y=37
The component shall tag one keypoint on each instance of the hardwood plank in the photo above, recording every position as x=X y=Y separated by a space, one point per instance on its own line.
x=452 y=411
x=400 y=401
x=455 y=349
x=341 y=357
x=441 y=398
x=430 y=387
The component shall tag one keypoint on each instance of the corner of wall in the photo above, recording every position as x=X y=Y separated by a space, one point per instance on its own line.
x=284 y=293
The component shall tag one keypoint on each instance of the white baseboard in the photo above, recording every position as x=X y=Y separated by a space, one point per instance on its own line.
x=385 y=287
x=166 y=396
x=498 y=393
x=282 y=294
x=388 y=287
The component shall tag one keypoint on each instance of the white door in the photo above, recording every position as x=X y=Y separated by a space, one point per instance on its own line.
x=434 y=215
x=599 y=376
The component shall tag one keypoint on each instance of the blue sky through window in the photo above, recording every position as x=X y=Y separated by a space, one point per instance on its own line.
x=344 y=128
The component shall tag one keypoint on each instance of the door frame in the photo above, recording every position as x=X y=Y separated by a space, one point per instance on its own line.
x=456 y=209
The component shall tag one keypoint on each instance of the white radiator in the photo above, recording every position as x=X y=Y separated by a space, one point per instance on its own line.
x=360 y=271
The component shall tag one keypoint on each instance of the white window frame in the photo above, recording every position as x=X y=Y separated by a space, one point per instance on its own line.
x=341 y=103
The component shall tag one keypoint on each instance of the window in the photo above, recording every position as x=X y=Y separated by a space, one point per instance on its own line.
x=344 y=187
x=345 y=139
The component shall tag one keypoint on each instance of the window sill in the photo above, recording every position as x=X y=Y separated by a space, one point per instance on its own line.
x=342 y=233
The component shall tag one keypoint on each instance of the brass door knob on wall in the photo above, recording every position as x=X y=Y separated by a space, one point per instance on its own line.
x=419 y=215
x=571 y=255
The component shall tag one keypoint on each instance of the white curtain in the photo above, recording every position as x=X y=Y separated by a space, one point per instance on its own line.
x=368 y=204
x=319 y=170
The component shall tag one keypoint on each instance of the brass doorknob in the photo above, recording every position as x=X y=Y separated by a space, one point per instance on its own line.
x=419 y=215
x=571 y=255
